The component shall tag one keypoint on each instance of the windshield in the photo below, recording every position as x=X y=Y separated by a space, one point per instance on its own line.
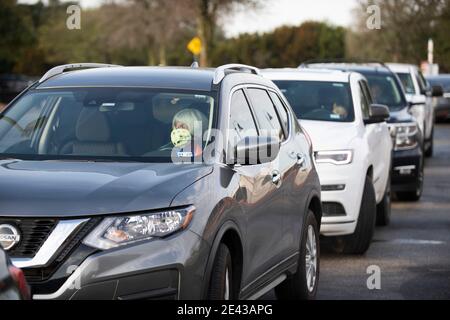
x=386 y=90
x=322 y=101
x=106 y=124
x=407 y=82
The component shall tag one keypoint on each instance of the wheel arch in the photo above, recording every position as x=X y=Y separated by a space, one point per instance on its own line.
x=315 y=205
x=230 y=235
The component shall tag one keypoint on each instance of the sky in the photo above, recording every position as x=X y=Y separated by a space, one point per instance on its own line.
x=277 y=13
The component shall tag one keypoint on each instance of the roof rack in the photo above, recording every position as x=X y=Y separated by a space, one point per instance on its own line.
x=221 y=71
x=358 y=61
x=66 y=67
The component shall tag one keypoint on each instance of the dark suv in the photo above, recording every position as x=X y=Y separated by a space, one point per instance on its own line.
x=142 y=183
x=408 y=159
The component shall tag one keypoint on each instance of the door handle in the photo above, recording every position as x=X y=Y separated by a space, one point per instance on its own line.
x=276 y=178
x=301 y=161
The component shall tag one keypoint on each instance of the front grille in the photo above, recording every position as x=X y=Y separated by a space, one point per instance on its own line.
x=33 y=233
x=333 y=209
x=40 y=274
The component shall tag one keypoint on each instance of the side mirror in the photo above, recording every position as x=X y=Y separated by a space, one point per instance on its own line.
x=257 y=150
x=378 y=113
x=437 y=91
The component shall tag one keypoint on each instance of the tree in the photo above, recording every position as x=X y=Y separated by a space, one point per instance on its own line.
x=406 y=26
x=208 y=13
x=16 y=34
x=284 y=47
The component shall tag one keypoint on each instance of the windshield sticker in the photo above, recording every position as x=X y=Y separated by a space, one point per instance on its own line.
x=185 y=154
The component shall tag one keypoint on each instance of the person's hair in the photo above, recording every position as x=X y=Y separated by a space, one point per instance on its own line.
x=194 y=119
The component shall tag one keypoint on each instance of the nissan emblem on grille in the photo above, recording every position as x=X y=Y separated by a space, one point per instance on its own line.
x=9 y=236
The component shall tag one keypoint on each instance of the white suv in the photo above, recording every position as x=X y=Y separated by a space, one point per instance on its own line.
x=352 y=147
x=420 y=96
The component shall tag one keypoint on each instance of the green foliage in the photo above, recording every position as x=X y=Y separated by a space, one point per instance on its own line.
x=284 y=47
x=16 y=34
x=405 y=29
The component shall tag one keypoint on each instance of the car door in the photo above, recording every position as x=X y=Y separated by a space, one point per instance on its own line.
x=258 y=197
x=297 y=166
x=425 y=89
x=272 y=216
x=378 y=147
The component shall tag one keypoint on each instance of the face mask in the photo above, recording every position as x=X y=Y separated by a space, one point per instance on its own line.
x=180 y=137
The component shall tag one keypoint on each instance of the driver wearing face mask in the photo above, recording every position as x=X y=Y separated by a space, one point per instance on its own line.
x=188 y=126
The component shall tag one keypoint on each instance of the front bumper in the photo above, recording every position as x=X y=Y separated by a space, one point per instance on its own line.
x=405 y=170
x=349 y=198
x=170 y=268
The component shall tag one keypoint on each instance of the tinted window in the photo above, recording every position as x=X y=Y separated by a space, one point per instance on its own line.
x=365 y=104
x=407 y=82
x=315 y=100
x=422 y=82
x=387 y=90
x=265 y=113
x=100 y=123
x=283 y=113
x=444 y=82
x=241 y=120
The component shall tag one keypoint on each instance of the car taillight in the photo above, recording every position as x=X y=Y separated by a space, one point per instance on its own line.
x=21 y=282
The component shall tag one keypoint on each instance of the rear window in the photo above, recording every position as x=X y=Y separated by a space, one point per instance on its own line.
x=321 y=101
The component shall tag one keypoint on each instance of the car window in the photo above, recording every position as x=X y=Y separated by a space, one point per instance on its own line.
x=422 y=82
x=365 y=104
x=319 y=100
x=444 y=82
x=23 y=123
x=103 y=124
x=281 y=109
x=387 y=90
x=268 y=120
x=407 y=82
x=242 y=123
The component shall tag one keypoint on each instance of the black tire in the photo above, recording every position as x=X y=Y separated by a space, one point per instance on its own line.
x=430 y=150
x=413 y=196
x=295 y=287
x=384 y=207
x=222 y=264
x=359 y=242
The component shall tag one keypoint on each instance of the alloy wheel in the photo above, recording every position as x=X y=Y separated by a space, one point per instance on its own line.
x=311 y=259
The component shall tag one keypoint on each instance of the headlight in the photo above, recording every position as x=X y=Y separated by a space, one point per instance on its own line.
x=334 y=157
x=404 y=135
x=118 y=231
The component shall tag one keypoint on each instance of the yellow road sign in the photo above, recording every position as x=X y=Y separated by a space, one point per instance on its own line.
x=195 y=46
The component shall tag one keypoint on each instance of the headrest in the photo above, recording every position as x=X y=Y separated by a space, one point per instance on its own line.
x=92 y=126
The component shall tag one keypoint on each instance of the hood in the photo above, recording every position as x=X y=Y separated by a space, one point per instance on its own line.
x=329 y=136
x=70 y=189
x=400 y=116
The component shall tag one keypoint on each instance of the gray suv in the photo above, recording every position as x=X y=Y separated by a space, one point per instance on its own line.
x=149 y=183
